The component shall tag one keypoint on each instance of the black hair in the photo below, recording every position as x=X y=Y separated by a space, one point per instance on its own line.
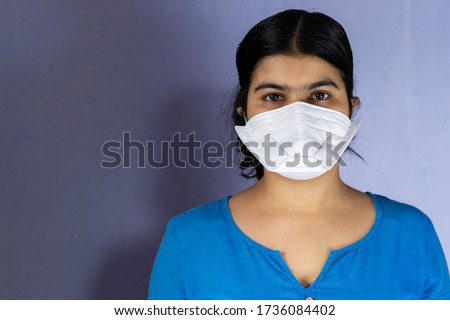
x=288 y=32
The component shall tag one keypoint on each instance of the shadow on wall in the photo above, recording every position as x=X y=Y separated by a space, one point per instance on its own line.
x=180 y=98
x=78 y=74
x=126 y=273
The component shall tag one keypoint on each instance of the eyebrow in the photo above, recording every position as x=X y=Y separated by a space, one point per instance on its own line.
x=309 y=86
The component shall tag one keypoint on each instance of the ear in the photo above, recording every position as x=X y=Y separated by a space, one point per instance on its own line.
x=240 y=111
x=355 y=103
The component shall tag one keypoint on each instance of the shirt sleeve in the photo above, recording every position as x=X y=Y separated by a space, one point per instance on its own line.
x=437 y=279
x=167 y=281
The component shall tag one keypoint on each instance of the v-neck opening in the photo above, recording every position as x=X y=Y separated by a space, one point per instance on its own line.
x=333 y=254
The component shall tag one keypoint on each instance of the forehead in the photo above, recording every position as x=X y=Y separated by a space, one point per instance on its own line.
x=294 y=69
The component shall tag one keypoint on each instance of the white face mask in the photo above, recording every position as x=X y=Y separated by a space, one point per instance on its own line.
x=299 y=141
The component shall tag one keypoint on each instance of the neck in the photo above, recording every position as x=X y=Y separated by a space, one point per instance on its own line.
x=301 y=196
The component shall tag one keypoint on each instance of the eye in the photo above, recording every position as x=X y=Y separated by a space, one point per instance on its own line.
x=320 y=95
x=273 y=97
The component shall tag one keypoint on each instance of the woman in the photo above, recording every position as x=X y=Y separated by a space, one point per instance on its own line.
x=299 y=232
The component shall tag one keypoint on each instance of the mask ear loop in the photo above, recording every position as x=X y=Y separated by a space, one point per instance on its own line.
x=245 y=118
x=355 y=103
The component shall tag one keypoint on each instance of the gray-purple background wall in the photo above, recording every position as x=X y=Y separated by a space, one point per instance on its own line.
x=76 y=74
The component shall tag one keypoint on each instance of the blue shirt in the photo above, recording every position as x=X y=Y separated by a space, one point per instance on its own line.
x=204 y=255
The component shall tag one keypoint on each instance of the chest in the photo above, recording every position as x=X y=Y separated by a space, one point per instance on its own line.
x=246 y=272
x=306 y=260
x=305 y=250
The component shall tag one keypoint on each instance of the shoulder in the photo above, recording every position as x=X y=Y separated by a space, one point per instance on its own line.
x=406 y=226
x=201 y=220
x=408 y=237
x=396 y=211
x=403 y=223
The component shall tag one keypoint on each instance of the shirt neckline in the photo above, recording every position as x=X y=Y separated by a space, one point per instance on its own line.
x=337 y=252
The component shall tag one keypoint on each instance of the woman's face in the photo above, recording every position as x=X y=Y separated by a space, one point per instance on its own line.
x=283 y=79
